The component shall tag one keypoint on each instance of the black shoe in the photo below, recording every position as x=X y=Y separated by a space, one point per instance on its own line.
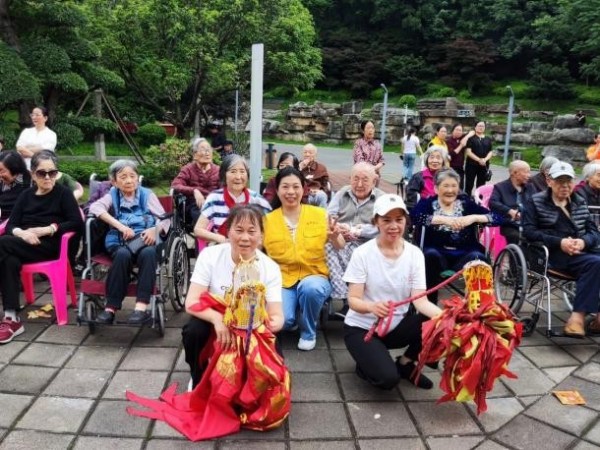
x=138 y=317
x=342 y=312
x=433 y=365
x=107 y=317
x=406 y=371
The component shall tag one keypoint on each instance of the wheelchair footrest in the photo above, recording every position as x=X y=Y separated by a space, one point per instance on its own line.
x=560 y=332
x=98 y=287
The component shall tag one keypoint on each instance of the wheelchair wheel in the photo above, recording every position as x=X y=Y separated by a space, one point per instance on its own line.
x=159 y=318
x=510 y=277
x=90 y=315
x=179 y=273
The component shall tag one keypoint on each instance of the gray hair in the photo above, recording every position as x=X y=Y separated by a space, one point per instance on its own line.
x=364 y=166
x=435 y=149
x=119 y=165
x=444 y=174
x=196 y=143
x=517 y=164
x=547 y=163
x=227 y=163
x=44 y=155
x=590 y=170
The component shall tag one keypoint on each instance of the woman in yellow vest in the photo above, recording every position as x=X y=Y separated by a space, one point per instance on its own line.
x=295 y=237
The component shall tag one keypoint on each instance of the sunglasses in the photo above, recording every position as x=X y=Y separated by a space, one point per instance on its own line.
x=43 y=174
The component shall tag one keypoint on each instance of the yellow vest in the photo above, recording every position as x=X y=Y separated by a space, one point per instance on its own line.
x=305 y=256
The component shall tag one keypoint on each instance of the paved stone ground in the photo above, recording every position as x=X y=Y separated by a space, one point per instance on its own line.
x=61 y=387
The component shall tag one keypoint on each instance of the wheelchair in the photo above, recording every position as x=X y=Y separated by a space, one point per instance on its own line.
x=172 y=273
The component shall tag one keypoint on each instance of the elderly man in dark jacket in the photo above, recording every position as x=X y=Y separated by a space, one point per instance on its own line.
x=561 y=220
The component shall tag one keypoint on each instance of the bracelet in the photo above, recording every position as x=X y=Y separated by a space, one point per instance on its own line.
x=53 y=228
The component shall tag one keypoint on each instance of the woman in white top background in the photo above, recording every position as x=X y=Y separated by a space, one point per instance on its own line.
x=410 y=145
x=37 y=138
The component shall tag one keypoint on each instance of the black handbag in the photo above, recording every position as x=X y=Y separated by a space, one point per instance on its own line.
x=488 y=175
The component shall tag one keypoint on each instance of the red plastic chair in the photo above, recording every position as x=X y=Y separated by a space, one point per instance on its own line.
x=58 y=271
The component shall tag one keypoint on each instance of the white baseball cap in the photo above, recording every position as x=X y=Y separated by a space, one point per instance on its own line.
x=561 y=169
x=388 y=202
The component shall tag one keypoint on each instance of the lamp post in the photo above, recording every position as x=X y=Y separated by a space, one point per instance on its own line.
x=385 y=101
x=511 y=104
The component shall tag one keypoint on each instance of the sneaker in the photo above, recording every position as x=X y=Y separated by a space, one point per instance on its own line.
x=138 y=317
x=9 y=329
x=306 y=345
x=106 y=317
x=406 y=371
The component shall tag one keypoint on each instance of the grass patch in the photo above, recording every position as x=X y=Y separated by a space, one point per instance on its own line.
x=87 y=149
x=531 y=155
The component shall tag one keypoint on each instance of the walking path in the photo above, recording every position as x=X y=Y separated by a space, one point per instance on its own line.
x=62 y=388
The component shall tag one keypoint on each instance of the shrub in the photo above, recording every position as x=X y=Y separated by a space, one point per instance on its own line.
x=551 y=81
x=67 y=135
x=464 y=94
x=150 y=134
x=10 y=137
x=589 y=95
x=90 y=126
x=81 y=170
x=169 y=157
x=408 y=100
x=445 y=91
x=408 y=72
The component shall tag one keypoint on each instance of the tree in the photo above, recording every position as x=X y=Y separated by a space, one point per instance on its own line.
x=550 y=81
x=178 y=54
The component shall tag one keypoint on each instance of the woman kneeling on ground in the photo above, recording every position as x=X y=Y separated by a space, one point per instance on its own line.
x=387 y=269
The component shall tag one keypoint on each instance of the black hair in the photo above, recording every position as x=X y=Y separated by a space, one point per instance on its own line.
x=44 y=155
x=286 y=155
x=13 y=162
x=364 y=123
x=286 y=172
x=455 y=126
x=43 y=109
x=439 y=126
x=251 y=212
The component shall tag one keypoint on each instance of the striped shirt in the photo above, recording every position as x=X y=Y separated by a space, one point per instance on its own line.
x=216 y=211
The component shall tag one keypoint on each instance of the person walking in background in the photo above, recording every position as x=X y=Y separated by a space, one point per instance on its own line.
x=410 y=145
x=457 y=143
x=478 y=155
x=367 y=148
x=37 y=138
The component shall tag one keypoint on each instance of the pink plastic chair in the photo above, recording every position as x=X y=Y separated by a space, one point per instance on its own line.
x=58 y=271
x=201 y=244
x=490 y=239
x=3 y=227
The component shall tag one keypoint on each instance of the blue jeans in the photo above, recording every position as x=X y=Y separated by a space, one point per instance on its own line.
x=307 y=296
x=409 y=163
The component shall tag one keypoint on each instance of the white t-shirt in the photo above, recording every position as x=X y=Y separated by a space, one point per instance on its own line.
x=31 y=136
x=410 y=145
x=214 y=269
x=384 y=279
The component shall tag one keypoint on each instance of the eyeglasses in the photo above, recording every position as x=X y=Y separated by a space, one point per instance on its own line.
x=43 y=174
x=35 y=115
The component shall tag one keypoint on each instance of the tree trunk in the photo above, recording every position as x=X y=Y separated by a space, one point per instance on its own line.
x=7 y=29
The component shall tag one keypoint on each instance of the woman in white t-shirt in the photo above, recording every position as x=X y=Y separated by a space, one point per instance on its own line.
x=384 y=270
x=37 y=138
x=410 y=145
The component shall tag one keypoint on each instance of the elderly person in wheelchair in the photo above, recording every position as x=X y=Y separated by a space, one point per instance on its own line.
x=131 y=212
x=589 y=188
x=446 y=226
x=561 y=220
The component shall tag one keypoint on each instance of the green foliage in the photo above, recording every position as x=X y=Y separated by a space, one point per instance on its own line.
x=44 y=57
x=408 y=72
x=588 y=94
x=67 y=135
x=68 y=82
x=408 y=100
x=550 y=81
x=9 y=134
x=444 y=91
x=464 y=94
x=81 y=170
x=168 y=158
x=150 y=134
x=521 y=89
x=90 y=126
x=16 y=81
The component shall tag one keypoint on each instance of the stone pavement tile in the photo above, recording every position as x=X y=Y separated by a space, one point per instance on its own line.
x=499 y=412
x=582 y=352
x=12 y=406
x=162 y=430
x=176 y=320
x=149 y=359
x=530 y=382
x=499 y=390
x=548 y=356
x=56 y=414
x=35 y=440
x=443 y=419
x=110 y=419
x=318 y=421
x=314 y=387
x=589 y=371
x=526 y=433
x=181 y=365
x=323 y=445
x=92 y=442
x=313 y=361
x=168 y=444
x=490 y=445
x=391 y=444
x=557 y=374
x=9 y=351
x=289 y=340
x=148 y=337
x=412 y=393
x=335 y=338
x=454 y=443
x=96 y=358
x=3 y=432
x=356 y=389
x=529 y=399
x=583 y=445
x=278 y=434
x=121 y=336
x=181 y=378
x=537 y=338
x=69 y=334
x=573 y=419
x=50 y=355
x=32 y=330
x=25 y=379
x=381 y=420
x=593 y=435
x=519 y=362
x=343 y=361
x=253 y=445
x=78 y=383
x=142 y=382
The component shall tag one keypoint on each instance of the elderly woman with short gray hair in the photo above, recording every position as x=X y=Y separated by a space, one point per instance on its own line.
x=422 y=185
x=132 y=212
x=589 y=188
x=197 y=179
x=233 y=175
x=449 y=221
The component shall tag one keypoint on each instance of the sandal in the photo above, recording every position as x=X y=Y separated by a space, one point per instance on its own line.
x=593 y=328
x=574 y=328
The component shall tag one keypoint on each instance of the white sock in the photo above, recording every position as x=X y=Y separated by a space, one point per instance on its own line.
x=11 y=314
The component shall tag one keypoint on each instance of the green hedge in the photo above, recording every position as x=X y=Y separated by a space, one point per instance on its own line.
x=150 y=134
x=81 y=171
